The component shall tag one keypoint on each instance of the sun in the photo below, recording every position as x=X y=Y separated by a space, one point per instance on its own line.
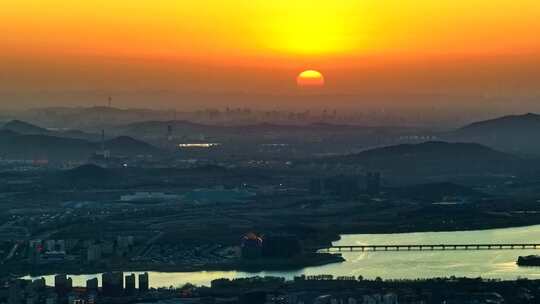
x=310 y=78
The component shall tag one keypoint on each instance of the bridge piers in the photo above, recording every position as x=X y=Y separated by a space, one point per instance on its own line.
x=431 y=247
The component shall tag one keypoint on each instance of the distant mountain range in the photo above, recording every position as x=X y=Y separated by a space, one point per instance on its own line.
x=518 y=134
x=21 y=140
x=515 y=134
x=89 y=118
x=25 y=128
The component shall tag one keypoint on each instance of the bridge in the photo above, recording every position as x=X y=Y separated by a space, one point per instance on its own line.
x=428 y=247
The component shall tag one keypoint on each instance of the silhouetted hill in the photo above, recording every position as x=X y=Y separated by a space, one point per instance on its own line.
x=45 y=147
x=431 y=150
x=89 y=118
x=515 y=133
x=432 y=158
x=56 y=148
x=128 y=146
x=24 y=128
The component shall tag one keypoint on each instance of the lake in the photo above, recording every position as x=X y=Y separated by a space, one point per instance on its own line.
x=498 y=264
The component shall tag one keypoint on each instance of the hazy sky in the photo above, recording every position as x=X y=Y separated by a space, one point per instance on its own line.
x=186 y=53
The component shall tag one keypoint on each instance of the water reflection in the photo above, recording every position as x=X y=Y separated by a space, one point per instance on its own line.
x=395 y=265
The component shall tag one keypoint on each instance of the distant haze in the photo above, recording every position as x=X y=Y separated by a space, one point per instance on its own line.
x=476 y=57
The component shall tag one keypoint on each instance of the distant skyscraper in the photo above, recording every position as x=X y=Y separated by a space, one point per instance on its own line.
x=143 y=282
x=92 y=285
x=130 y=284
x=112 y=284
x=93 y=253
x=62 y=284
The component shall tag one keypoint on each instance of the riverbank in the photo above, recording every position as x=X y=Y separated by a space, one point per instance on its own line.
x=254 y=266
x=490 y=264
x=496 y=264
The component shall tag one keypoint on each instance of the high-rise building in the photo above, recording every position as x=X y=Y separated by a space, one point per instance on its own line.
x=92 y=285
x=143 y=282
x=35 y=249
x=37 y=285
x=93 y=253
x=113 y=284
x=130 y=284
x=62 y=284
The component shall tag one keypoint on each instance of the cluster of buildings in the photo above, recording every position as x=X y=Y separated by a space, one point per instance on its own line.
x=48 y=251
x=325 y=289
x=40 y=252
x=320 y=289
x=115 y=288
x=97 y=250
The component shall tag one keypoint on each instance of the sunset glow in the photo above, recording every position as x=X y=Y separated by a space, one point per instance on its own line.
x=269 y=28
x=259 y=46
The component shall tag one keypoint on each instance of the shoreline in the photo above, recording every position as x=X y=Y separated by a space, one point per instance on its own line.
x=248 y=266
x=401 y=230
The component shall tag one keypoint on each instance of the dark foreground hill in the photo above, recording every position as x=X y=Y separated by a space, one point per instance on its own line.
x=431 y=159
x=514 y=133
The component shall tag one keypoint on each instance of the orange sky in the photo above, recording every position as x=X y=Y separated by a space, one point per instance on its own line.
x=442 y=47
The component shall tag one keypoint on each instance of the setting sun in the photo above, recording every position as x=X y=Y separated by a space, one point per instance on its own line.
x=310 y=78
x=186 y=48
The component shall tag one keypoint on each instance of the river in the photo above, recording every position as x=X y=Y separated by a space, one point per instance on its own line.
x=498 y=264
